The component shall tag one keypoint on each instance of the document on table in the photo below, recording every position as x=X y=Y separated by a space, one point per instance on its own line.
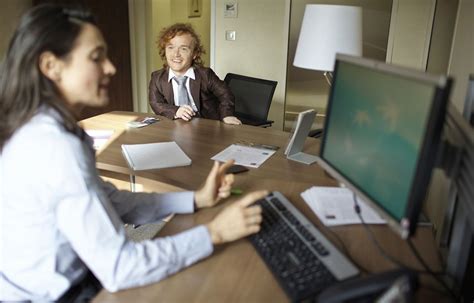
x=335 y=206
x=100 y=136
x=154 y=155
x=244 y=155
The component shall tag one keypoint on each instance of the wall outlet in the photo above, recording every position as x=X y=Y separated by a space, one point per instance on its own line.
x=230 y=35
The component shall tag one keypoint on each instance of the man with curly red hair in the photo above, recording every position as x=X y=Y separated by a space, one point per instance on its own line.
x=184 y=88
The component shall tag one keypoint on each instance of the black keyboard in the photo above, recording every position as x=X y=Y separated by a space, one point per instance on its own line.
x=302 y=260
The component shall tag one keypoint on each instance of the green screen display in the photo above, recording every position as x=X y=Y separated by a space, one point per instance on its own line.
x=375 y=131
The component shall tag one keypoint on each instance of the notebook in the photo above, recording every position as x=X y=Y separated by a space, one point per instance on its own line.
x=154 y=155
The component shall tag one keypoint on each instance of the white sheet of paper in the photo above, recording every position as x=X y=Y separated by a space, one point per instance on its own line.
x=244 y=155
x=155 y=155
x=100 y=136
x=335 y=206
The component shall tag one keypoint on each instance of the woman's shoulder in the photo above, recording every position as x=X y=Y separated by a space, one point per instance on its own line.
x=43 y=131
x=40 y=144
x=45 y=121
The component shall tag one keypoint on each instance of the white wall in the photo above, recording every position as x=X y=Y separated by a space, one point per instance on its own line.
x=260 y=48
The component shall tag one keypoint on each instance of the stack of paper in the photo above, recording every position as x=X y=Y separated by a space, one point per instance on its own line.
x=154 y=155
x=335 y=206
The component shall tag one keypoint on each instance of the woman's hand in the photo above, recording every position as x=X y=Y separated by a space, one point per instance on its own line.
x=217 y=186
x=237 y=220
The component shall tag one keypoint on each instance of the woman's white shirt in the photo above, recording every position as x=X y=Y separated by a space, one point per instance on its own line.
x=58 y=218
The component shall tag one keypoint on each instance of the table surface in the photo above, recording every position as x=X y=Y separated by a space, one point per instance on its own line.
x=201 y=139
x=235 y=272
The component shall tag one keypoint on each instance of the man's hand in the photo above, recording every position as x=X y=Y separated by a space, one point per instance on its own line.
x=216 y=187
x=185 y=112
x=237 y=220
x=231 y=120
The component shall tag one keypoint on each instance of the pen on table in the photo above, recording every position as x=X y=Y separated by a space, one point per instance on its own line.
x=236 y=191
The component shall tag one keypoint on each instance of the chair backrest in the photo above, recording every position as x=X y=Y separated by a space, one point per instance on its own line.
x=253 y=96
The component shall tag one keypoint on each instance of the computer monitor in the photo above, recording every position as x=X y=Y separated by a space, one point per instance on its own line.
x=381 y=135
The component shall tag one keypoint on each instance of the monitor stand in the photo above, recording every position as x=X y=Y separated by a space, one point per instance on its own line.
x=303 y=158
x=295 y=146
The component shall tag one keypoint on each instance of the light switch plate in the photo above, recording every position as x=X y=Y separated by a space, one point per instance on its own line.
x=230 y=35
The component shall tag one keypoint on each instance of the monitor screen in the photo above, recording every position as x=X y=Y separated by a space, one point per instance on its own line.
x=381 y=135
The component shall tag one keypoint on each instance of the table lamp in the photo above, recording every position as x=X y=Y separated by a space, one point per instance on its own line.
x=325 y=31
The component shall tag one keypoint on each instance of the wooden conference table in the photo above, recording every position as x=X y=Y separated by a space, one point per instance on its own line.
x=235 y=272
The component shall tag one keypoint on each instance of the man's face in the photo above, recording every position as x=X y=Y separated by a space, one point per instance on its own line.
x=180 y=53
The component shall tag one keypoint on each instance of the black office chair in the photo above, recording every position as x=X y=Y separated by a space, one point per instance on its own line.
x=253 y=97
x=315 y=133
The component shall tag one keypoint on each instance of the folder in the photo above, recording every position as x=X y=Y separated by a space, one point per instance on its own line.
x=154 y=155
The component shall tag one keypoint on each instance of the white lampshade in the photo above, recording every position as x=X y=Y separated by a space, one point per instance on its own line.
x=325 y=31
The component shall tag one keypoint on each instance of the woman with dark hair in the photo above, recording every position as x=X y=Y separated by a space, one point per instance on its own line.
x=184 y=88
x=61 y=226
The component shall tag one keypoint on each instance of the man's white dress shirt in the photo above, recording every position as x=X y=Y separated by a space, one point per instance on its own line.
x=58 y=218
x=191 y=75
